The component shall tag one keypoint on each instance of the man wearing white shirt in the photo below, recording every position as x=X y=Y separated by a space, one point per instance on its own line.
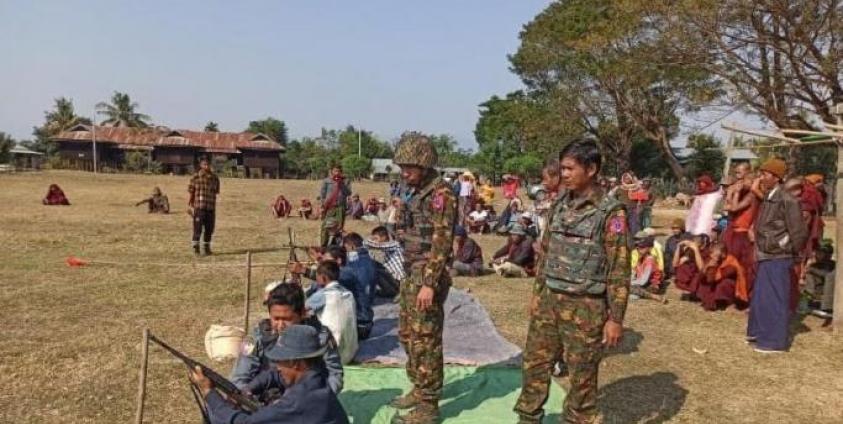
x=334 y=306
x=477 y=219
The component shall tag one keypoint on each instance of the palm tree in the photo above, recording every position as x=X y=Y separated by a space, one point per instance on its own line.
x=121 y=112
x=212 y=126
x=62 y=117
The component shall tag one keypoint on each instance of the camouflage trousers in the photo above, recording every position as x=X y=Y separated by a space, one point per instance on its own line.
x=337 y=213
x=420 y=333
x=572 y=325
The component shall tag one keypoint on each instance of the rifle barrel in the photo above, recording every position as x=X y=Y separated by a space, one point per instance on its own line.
x=219 y=381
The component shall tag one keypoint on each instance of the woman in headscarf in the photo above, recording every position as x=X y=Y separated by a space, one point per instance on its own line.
x=55 y=196
x=629 y=193
x=701 y=216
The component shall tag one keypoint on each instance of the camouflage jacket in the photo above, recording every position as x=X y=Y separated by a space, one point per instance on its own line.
x=427 y=221
x=615 y=246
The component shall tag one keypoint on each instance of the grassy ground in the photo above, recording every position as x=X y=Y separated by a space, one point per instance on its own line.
x=69 y=345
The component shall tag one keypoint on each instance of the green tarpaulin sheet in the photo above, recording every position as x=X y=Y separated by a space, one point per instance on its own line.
x=471 y=394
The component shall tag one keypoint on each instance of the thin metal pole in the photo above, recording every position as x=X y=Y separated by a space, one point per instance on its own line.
x=837 y=318
x=248 y=291
x=94 y=140
x=359 y=142
x=142 y=376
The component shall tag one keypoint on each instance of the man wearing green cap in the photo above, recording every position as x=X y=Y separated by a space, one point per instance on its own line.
x=426 y=223
x=306 y=398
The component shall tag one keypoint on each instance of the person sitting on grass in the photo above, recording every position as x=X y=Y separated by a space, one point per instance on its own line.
x=688 y=262
x=517 y=258
x=295 y=371
x=528 y=221
x=306 y=209
x=677 y=234
x=355 y=207
x=819 y=280
x=656 y=250
x=389 y=261
x=468 y=257
x=157 y=203
x=55 y=197
x=333 y=305
x=721 y=279
x=286 y=308
x=477 y=219
x=372 y=206
x=363 y=268
x=281 y=208
x=646 y=279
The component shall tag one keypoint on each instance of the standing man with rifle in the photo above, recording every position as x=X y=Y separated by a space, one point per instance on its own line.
x=426 y=228
x=334 y=194
x=296 y=372
x=581 y=289
x=204 y=188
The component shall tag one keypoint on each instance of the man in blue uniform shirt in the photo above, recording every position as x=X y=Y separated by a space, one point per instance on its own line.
x=307 y=399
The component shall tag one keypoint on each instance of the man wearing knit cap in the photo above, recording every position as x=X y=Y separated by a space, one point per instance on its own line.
x=780 y=234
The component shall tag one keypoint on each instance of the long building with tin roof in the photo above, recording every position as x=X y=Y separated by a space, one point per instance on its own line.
x=176 y=150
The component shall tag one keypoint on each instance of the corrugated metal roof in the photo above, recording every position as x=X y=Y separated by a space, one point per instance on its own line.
x=20 y=150
x=214 y=142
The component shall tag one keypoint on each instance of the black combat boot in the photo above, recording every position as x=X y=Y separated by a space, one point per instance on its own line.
x=207 y=249
x=196 y=249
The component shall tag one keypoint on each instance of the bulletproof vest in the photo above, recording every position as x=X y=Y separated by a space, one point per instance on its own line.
x=576 y=260
x=417 y=223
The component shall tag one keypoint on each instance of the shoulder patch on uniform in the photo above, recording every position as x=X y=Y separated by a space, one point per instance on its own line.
x=617 y=224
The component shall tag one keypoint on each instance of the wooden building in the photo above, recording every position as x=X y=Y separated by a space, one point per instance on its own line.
x=177 y=150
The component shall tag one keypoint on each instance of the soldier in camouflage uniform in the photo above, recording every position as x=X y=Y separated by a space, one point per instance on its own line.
x=426 y=226
x=581 y=290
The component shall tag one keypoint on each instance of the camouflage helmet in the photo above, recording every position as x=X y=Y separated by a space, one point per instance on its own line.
x=415 y=149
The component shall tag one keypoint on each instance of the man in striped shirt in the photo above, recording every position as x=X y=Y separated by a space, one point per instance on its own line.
x=390 y=254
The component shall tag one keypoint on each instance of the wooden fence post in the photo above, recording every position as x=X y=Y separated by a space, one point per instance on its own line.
x=142 y=376
x=248 y=291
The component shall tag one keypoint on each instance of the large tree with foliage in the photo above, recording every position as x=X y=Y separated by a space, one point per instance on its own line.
x=707 y=157
x=6 y=144
x=350 y=139
x=450 y=154
x=212 y=126
x=61 y=118
x=271 y=127
x=122 y=112
x=604 y=58
x=780 y=59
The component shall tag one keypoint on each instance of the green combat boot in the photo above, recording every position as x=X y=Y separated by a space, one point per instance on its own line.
x=405 y=402
x=424 y=413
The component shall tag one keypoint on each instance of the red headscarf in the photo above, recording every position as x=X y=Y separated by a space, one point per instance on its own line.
x=705 y=185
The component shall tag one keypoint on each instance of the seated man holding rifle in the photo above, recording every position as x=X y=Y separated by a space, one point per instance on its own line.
x=286 y=305
x=298 y=373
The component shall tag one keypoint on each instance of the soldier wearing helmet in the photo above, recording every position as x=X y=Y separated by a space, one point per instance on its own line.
x=427 y=218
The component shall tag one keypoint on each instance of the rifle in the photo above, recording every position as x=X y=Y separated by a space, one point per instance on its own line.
x=243 y=401
x=293 y=257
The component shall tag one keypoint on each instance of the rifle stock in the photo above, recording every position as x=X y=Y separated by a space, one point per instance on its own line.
x=228 y=388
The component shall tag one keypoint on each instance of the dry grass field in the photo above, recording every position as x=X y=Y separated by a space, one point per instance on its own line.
x=70 y=339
